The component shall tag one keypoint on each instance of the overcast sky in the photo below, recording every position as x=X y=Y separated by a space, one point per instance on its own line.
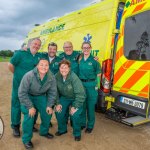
x=17 y=17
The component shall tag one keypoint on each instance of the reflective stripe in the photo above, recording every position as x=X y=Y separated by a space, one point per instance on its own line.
x=139 y=7
x=121 y=71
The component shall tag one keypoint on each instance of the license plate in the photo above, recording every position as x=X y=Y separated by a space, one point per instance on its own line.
x=132 y=102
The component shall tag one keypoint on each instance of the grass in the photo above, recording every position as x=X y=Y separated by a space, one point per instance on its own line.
x=6 y=59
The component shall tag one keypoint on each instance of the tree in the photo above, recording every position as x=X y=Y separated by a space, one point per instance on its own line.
x=6 y=53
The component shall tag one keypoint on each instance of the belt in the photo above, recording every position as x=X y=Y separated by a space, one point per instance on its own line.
x=87 y=80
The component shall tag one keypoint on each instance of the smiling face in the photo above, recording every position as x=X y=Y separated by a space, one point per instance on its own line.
x=86 y=48
x=43 y=67
x=52 y=50
x=64 y=68
x=35 y=46
x=68 y=48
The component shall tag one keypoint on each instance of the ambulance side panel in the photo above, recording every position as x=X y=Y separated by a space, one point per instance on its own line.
x=94 y=24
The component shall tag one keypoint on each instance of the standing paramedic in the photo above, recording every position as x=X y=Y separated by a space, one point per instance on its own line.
x=71 y=55
x=53 y=59
x=21 y=63
x=89 y=70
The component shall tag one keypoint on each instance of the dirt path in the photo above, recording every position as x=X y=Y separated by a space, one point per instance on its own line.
x=107 y=134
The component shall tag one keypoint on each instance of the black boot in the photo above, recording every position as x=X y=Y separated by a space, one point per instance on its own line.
x=16 y=131
x=48 y=136
x=88 y=130
x=77 y=138
x=28 y=145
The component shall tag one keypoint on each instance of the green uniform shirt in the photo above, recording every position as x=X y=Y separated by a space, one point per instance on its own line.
x=23 y=61
x=73 y=58
x=54 y=64
x=71 y=88
x=31 y=84
x=88 y=69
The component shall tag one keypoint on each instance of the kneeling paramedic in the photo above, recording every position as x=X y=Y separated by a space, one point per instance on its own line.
x=37 y=91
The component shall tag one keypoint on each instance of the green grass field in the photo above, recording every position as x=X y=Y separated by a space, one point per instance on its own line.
x=6 y=59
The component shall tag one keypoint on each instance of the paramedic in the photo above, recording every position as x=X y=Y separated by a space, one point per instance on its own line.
x=37 y=91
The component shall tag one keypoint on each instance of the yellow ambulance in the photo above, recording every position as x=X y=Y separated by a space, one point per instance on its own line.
x=119 y=32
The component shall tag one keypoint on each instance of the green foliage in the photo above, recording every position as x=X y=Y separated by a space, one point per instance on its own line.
x=6 y=53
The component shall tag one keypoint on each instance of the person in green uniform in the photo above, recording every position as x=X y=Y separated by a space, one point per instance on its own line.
x=89 y=70
x=37 y=91
x=21 y=62
x=70 y=55
x=71 y=96
x=53 y=59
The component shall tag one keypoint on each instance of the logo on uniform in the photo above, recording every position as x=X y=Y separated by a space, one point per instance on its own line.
x=56 y=63
x=90 y=64
x=69 y=87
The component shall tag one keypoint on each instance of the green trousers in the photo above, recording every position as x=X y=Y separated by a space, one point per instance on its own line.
x=15 y=105
x=88 y=113
x=40 y=104
x=62 y=119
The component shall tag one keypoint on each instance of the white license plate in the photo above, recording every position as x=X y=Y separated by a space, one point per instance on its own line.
x=132 y=102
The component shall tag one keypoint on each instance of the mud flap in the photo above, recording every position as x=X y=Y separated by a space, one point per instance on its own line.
x=101 y=104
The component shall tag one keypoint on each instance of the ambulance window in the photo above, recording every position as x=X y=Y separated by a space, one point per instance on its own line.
x=137 y=37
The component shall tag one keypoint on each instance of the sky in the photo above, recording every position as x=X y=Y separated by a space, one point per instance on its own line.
x=18 y=17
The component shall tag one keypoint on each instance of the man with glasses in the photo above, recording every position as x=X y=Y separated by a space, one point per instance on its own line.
x=70 y=55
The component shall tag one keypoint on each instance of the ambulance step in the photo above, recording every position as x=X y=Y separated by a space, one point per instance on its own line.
x=135 y=121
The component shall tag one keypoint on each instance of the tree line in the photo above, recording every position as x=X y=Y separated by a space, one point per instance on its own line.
x=6 y=53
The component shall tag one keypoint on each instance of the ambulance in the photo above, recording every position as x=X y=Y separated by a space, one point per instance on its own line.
x=119 y=32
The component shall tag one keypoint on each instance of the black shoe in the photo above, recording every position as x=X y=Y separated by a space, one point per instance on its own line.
x=59 y=134
x=28 y=145
x=77 y=138
x=49 y=136
x=35 y=129
x=88 y=130
x=82 y=127
x=16 y=131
